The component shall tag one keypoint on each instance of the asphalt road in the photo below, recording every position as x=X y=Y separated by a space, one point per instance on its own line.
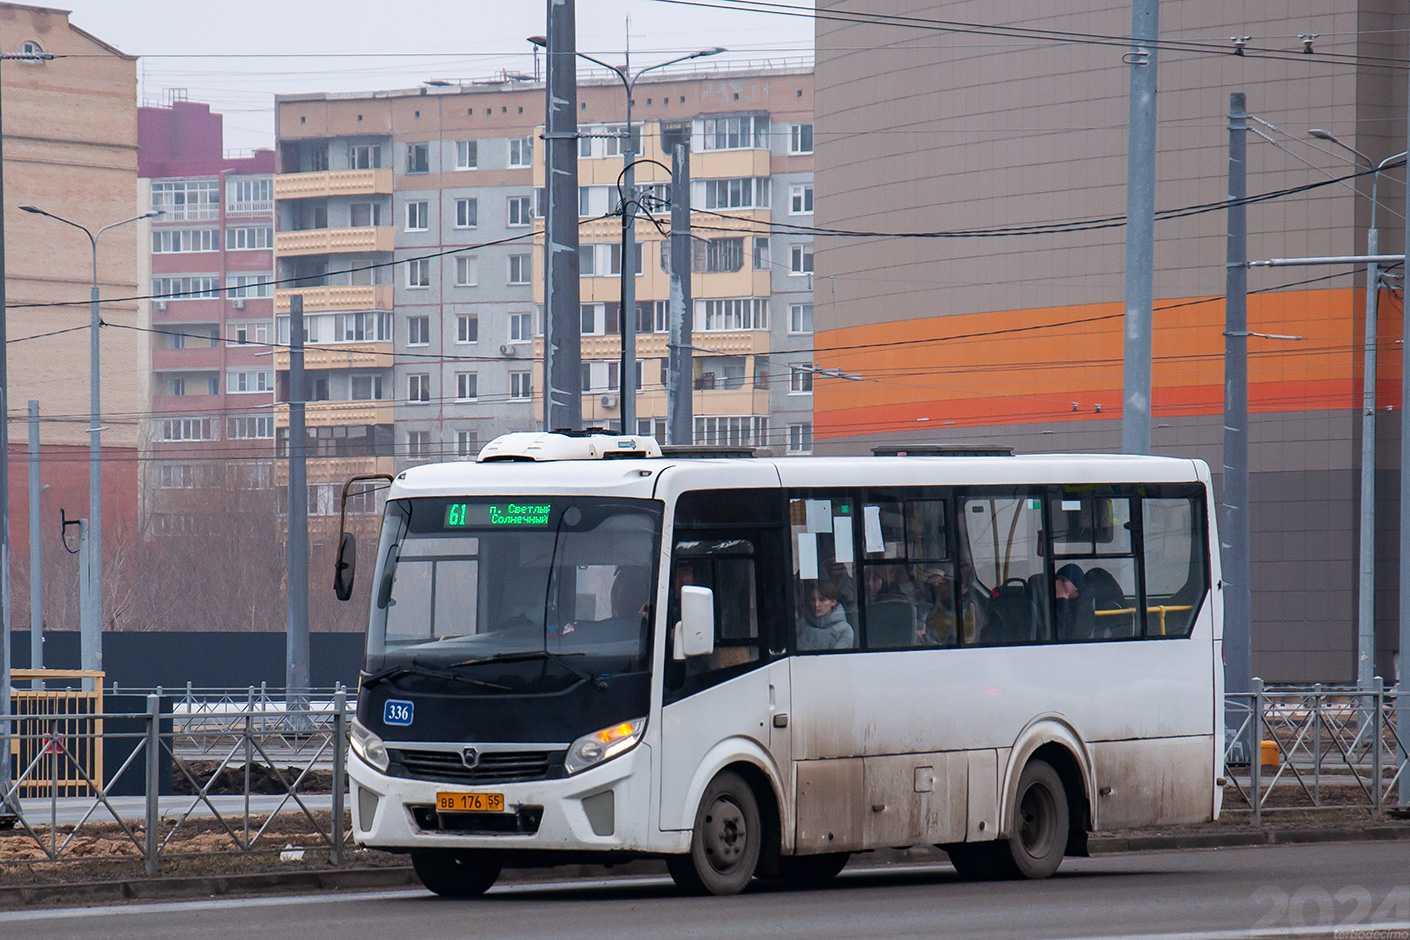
x=1276 y=891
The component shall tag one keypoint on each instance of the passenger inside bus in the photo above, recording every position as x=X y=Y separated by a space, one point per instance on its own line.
x=823 y=624
x=1075 y=619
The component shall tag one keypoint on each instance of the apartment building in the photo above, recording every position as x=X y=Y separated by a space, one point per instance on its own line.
x=410 y=224
x=1018 y=339
x=210 y=264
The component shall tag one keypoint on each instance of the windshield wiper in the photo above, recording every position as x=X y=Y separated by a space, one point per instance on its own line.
x=560 y=659
x=416 y=669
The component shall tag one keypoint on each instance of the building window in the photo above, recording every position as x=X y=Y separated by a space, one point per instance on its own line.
x=418 y=272
x=467 y=328
x=800 y=438
x=364 y=157
x=732 y=430
x=521 y=385
x=170 y=240
x=418 y=387
x=800 y=199
x=416 y=217
x=467 y=213
x=187 y=429
x=521 y=268
x=761 y=252
x=521 y=211
x=521 y=151
x=724 y=254
x=467 y=443
x=418 y=158
x=240 y=286
x=737 y=313
x=367 y=387
x=187 y=200
x=736 y=132
x=349 y=327
x=800 y=138
x=245 y=381
x=418 y=331
x=800 y=318
x=365 y=214
x=467 y=154
x=521 y=326
x=750 y=192
x=197 y=287
x=800 y=260
x=467 y=386
x=249 y=238
x=176 y=386
x=418 y=444
x=250 y=427
x=249 y=195
x=800 y=380
x=467 y=271
x=614 y=258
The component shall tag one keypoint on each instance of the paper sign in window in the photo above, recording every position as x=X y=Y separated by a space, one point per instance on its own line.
x=819 y=515
x=842 y=540
x=871 y=528
x=807 y=556
x=1072 y=505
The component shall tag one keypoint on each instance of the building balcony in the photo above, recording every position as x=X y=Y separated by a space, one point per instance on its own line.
x=336 y=470
x=742 y=283
x=186 y=404
x=329 y=414
x=333 y=183
x=323 y=241
x=361 y=356
x=202 y=358
x=725 y=164
x=732 y=401
x=353 y=297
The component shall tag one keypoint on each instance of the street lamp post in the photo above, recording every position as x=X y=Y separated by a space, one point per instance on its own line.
x=627 y=324
x=1366 y=592
x=95 y=429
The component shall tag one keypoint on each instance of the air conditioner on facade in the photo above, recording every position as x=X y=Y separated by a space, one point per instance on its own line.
x=159 y=304
x=608 y=401
x=238 y=304
x=507 y=350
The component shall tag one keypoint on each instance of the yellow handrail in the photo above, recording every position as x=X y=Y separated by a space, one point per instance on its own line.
x=1161 y=609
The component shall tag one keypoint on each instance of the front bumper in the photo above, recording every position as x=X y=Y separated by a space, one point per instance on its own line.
x=601 y=809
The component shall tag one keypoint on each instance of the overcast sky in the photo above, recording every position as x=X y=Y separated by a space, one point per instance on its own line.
x=205 y=46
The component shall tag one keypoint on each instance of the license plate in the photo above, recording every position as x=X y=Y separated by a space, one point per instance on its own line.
x=470 y=802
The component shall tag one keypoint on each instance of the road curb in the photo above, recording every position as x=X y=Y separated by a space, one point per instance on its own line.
x=383 y=878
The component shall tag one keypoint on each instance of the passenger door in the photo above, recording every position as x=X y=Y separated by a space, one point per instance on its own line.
x=739 y=693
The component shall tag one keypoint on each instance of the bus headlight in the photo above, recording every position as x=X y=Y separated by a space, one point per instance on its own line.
x=367 y=746
x=593 y=749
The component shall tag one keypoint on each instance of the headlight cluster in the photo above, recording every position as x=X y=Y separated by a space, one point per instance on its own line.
x=367 y=746
x=593 y=749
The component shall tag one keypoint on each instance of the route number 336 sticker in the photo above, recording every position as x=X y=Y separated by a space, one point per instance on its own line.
x=398 y=712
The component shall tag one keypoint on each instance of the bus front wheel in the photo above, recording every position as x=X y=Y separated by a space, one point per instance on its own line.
x=725 y=843
x=455 y=874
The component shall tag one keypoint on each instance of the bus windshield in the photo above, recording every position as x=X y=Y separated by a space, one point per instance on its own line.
x=461 y=582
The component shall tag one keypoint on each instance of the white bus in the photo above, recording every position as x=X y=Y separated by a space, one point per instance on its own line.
x=579 y=649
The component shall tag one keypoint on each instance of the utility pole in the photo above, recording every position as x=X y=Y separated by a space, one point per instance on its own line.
x=680 y=392
x=36 y=558
x=5 y=664
x=1234 y=526
x=296 y=679
x=1402 y=701
x=1140 y=229
x=562 y=328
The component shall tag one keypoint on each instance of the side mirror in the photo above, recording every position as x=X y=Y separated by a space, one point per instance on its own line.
x=345 y=569
x=697 y=627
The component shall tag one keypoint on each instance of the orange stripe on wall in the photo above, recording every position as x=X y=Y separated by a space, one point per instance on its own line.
x=1026 y=366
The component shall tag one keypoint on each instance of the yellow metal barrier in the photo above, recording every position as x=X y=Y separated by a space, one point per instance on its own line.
x=63 y=727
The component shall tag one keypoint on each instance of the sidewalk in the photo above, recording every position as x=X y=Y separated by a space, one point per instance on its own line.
x=307 y=880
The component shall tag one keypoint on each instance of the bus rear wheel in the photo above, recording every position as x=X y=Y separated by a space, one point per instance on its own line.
x=455 y=874
x=1039 y=839
x=725 y=843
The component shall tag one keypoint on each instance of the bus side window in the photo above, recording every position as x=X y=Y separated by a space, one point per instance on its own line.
x=825 y=590
x=1004 y=537
x=1176 y=583
x=727 y=567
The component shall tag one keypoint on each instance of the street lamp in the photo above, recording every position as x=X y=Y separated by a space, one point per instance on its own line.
x=1365 y=592
x=95 y=429
x=628 y=265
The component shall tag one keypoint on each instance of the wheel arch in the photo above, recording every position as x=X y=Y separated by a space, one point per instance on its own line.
x=748 y=759
x=1053 y=739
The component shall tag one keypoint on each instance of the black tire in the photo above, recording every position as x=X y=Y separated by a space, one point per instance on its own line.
x=812 y=869
x=1039 y=839
x=725 y=843
x=455 y=874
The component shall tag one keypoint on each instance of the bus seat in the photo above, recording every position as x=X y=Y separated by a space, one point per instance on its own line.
x=891 y=624
x=1106 y=595
x=1011 y=614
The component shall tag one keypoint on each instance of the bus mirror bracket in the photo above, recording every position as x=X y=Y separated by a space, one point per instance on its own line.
x=345 y=568
x=696 y=630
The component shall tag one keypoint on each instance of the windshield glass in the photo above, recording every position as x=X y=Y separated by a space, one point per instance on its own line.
x=459 y=581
